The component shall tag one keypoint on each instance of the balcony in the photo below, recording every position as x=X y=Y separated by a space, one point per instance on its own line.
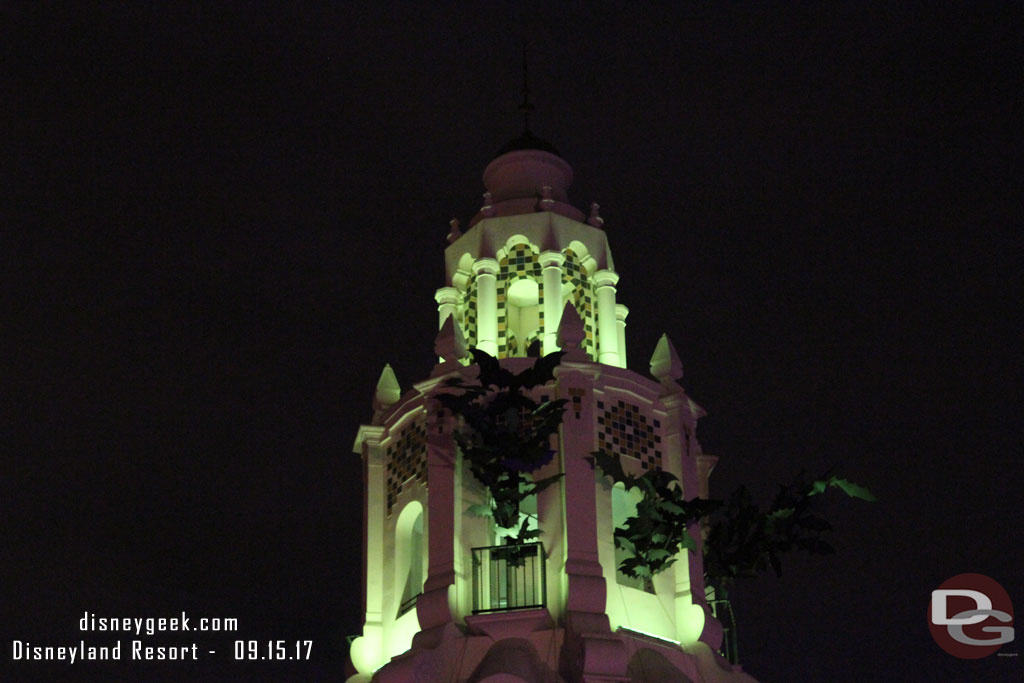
x=508 y=577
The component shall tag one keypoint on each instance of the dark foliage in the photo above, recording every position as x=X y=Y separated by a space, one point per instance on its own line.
x=741 y=539
x=505 y=435
x=744 y=541
x=657 y=532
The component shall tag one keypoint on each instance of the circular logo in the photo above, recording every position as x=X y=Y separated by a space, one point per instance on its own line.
x=970 y=616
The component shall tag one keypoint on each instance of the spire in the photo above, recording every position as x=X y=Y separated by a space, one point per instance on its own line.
x=527 y=140
x=665 y=363
x=526 y=107
x=387 y=393
x=571 y=333
x=450 y=344
x=388 y=390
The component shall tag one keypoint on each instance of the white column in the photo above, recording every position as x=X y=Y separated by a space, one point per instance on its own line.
x=376 y=473
x=552 y=263
x=607 y=326
x=486 y=270
x=447 y=299
x=620 y=318
x=367 y=652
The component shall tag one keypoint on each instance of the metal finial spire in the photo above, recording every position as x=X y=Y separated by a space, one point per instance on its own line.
x=525 y=107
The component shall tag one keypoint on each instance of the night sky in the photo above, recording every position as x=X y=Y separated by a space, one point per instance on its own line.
x=217 y=226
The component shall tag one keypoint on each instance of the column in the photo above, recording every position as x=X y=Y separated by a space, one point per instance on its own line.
x=601 y=656
x=486 y=270
x=376 y=466
x=447 y=299
x=433 y=607
x=367 y=651
x=620 y=318
x=552 y=262
x=607 y=326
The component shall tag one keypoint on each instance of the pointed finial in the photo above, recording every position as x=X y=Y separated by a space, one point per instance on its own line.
x=455 y=233
x=665 y=363
x=571 y=334
x=450 y=344
x=525 y=107
x=388 y=390
x=595 y=217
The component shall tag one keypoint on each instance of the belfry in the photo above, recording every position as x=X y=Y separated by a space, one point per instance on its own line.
x=451 y=595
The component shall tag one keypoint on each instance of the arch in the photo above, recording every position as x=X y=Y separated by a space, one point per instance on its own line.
x=470 y=315
x=508 y=661
x=520 y=296
x=463 y=271
x=587 y=261
x=512 y=242
x=410 y=555
x=576 y=288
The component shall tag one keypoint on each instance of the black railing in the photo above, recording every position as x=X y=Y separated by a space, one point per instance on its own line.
x=508 y=577
x=408 y=604
x=722 y=610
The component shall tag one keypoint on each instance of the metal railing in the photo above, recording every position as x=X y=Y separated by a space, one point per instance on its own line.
x=507 y=577
x=408 y=604
x=722 y=610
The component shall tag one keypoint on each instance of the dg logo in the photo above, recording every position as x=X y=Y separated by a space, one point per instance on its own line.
x=970 y=616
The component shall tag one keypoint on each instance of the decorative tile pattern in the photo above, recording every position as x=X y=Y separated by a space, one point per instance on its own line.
x=576 y=395
x=582 y=298
x=407 y=458
x=470 y=318
x=520 y=262
x=624 y=429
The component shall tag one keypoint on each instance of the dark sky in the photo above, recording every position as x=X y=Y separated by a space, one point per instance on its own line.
x=217 y=225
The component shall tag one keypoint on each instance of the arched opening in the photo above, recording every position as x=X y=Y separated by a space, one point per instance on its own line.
x=576 y=288
x=523 y=315
x=623 y=507
x=410 y=555
x=509 y=574
x=527 y=515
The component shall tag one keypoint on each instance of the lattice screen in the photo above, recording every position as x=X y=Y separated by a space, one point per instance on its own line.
x=407 y=458
x=623 y=428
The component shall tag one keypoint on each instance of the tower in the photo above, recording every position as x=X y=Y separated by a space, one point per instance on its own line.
x=447 y=596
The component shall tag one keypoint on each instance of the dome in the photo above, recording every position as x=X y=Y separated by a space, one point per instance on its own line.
x=527 y=141
x=527 y=175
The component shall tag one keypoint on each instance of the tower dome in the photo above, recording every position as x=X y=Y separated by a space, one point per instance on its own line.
x=527 y=175
x=527 y=141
